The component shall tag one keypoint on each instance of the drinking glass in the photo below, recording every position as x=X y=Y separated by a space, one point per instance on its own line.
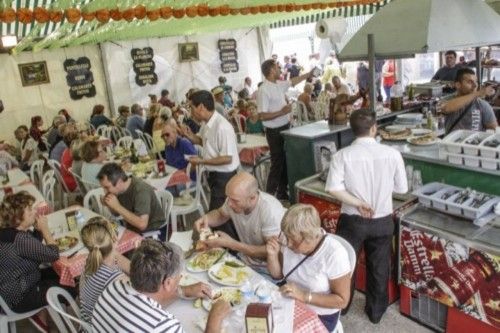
x=417 y=180
x=409 y=177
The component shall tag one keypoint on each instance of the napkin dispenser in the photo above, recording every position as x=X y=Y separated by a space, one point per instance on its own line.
x=259 y=318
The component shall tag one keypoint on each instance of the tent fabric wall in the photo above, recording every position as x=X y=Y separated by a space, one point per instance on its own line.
x=178 y=77
x=21 y=103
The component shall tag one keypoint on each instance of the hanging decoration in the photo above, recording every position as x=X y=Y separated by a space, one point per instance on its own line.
x=103 y=15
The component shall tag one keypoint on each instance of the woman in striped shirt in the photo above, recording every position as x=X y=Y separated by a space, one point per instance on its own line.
x=23 y=285
x=104 y=264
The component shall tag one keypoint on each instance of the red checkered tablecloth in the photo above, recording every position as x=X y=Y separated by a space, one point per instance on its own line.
x=305 y=320
x=250 y=155
x=70 y=268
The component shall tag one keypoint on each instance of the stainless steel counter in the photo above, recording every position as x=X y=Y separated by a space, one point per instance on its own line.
x=486 y=238
x=315 y=186
x=431 y=154
x=321 y=128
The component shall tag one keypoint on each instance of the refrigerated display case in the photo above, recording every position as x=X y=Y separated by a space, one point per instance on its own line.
x=449 y=271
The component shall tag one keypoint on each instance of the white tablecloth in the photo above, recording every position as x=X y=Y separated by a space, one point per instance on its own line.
x=188 y=315
x=30 y=188
x=16 y=177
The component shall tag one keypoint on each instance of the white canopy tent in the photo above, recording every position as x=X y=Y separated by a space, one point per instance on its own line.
x=405 y=27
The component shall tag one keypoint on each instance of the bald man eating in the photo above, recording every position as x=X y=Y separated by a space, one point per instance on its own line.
x=256 y=216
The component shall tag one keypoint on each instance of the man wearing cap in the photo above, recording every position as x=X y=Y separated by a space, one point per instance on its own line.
x=273 y=111
x=218 y=93
x=220 y=153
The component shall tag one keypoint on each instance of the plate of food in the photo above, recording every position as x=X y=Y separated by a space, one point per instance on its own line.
x=231 y=295
x=424 y=140
x=229 y=273
x=394 y=128
x=420 y=131
x=67 y=242
x=202 y=261
x=395 y=136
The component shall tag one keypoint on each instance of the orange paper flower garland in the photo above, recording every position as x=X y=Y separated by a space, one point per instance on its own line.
x=73 y=15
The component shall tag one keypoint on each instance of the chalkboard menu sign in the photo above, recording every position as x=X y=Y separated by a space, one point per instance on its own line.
x=228 y=55
x=79 y=78
x=144 y=66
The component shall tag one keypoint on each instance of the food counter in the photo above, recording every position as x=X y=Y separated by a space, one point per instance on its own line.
x=449 y=271
x=300 y=141
x=435 y=168
x=312 y=191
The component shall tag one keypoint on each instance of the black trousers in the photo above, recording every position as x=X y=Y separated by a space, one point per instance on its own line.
x=376 y=237
x=217 y=182
x=35 y=297
x=277 y=182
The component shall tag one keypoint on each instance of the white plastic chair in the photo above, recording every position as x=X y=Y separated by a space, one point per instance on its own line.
x=195 y=205
x=125 y=142
x=8 y=317
x=240 y=119
x=66 y=193
x=36 y=173
x=102 y=130
x=48 y=185
x=166 y=201
x=192 y=190
x=82 y=188
x=53 y=295
x=352 y=261
x=261 y=170
x=92 y=201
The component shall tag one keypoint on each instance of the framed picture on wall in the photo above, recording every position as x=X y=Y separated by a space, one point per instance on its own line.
x=34 y=73
x=188 y=52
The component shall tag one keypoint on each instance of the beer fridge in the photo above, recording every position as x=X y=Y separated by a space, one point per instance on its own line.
x=449 y=271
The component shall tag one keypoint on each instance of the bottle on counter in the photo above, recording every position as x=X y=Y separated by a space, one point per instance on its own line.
x=331 y=112
x=133 y=158
x=430 y=120
x=397 y=96
x=411 y=92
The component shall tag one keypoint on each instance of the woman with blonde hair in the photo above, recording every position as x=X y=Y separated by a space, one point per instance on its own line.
x=313 y=266
x=104 y=264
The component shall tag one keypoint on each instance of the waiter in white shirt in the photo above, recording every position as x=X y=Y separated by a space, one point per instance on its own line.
x=273 y=111
x=220 y=153
x=363 y=177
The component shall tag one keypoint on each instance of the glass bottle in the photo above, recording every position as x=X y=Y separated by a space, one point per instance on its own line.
x=133 y=158
x=331 y=112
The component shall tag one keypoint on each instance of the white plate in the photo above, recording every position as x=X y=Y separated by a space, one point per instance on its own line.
x=78 y=246
x=430 y=143
x=395 y=128
x=410 y=117
x=229 y=281
x=192 y=269
x=207 y=303
x=420 y=131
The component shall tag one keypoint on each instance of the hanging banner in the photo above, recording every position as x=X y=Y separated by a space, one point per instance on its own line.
x=144 y=66
x=451 y=273
x=228 y=55
x=79 y=78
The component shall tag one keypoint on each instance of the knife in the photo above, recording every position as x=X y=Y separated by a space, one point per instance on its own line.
x=74 y=253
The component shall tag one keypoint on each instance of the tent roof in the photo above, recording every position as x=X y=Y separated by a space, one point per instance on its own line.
x=406 y=27
x=244 y=13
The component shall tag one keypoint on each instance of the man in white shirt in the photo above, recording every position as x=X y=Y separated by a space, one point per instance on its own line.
x=256 y=216
x=273 y=111
x=339 y=87
x=220 y=152
x=139 y=304
x=363 y=177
